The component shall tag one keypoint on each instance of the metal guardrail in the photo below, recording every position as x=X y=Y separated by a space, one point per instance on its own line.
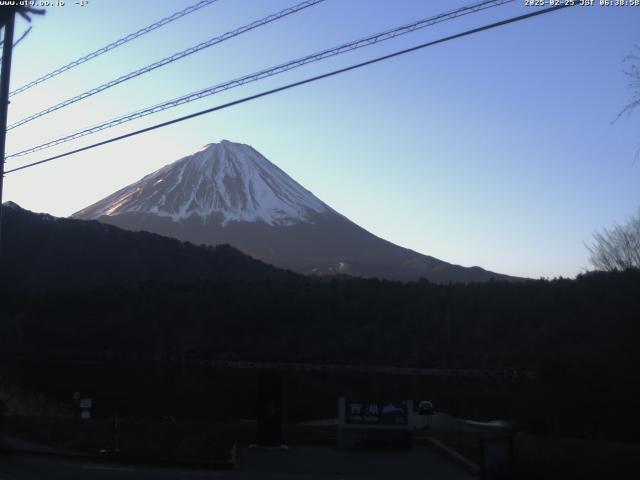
x=186 y=360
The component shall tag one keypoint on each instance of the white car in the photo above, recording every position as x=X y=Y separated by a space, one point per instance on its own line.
x=425 y=407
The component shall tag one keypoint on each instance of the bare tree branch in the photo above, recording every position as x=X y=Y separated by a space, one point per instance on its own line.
x=632 y=70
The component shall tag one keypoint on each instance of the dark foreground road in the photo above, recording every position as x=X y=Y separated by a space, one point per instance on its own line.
x=308 y=463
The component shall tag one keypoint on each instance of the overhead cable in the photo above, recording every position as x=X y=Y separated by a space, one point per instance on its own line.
x=112 y=45
x=296 y=84
x=167 y=60
x=315 y=57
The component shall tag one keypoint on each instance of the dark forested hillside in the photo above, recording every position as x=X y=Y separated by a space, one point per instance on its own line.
x=160 y=296
x=587 y=322
x=45 y=252
x=147 y=298
x=580 y=335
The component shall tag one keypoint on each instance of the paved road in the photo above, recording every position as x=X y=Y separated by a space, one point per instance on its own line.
x=303 y=463
x=329 y=463
x=32 y=467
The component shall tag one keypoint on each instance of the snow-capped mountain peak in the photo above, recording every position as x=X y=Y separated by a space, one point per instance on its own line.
x=227 y=181
x=228 y=193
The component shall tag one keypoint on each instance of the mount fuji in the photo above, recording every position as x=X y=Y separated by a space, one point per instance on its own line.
x=229 y=193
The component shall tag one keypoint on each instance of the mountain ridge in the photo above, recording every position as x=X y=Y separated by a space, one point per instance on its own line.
x=229 y=193
x=40 y=251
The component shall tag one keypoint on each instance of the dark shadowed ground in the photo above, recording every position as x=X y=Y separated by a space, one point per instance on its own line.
x=322 y=463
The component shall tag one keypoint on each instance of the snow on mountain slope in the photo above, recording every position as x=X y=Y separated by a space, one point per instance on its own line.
x=226 y=180
x=229 y=193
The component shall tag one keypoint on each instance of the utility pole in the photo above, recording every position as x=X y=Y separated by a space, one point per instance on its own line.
x=5 y=74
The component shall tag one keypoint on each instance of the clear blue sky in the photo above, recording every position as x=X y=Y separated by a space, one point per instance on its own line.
x=495 y=150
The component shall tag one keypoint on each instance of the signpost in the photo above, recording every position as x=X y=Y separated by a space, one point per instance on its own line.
x=364 y=422
x=85 y=408
x=377 y=414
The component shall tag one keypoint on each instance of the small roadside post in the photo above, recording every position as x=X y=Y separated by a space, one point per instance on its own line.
x=116 y=434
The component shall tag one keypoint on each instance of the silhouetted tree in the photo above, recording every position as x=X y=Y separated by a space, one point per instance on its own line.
x=617 y=248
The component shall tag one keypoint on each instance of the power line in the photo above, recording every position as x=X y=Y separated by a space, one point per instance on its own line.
x=22 y=37
x=297 y=84
x=330 y=52
x=170 y=59
x=112 y=45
